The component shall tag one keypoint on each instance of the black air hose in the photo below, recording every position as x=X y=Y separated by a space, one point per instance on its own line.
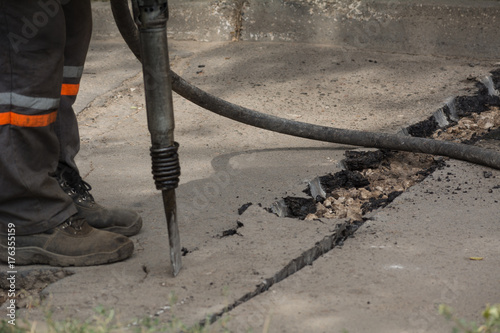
x=129 y=31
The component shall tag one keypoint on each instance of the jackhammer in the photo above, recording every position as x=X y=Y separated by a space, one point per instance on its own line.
x=148 y=42
x=151 y=18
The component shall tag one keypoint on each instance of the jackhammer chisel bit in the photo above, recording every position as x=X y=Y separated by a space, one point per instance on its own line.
x=151 y=18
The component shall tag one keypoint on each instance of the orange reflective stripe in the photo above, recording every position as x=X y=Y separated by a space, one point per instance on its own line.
x=69 y=89
x=5 y=118
x=21 y=120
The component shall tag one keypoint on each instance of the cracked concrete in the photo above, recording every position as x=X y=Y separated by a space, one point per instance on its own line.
x=411 y=256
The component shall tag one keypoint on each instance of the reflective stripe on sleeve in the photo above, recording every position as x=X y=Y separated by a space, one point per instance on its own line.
x=38 y=103
x=69 y=89
x=21 y=120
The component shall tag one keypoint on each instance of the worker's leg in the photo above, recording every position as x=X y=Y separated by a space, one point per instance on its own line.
x=78 y=16
x=31 y=64
x=33 y=206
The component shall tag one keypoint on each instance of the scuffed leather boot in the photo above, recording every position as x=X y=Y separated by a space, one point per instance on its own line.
x=121 y=221
x=73 y=243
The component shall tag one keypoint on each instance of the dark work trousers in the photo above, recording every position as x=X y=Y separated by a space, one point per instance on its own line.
x=43 y=45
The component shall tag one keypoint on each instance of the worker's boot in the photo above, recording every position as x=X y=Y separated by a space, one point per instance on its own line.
x=73 y=243
x=122 y=221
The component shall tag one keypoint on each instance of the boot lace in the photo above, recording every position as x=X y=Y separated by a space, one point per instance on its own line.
x=73 y=224
x=73 y=184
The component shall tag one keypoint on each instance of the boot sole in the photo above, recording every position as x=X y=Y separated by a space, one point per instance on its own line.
x=38 y=256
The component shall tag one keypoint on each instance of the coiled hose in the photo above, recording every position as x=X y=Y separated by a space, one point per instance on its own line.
x=130 y=34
